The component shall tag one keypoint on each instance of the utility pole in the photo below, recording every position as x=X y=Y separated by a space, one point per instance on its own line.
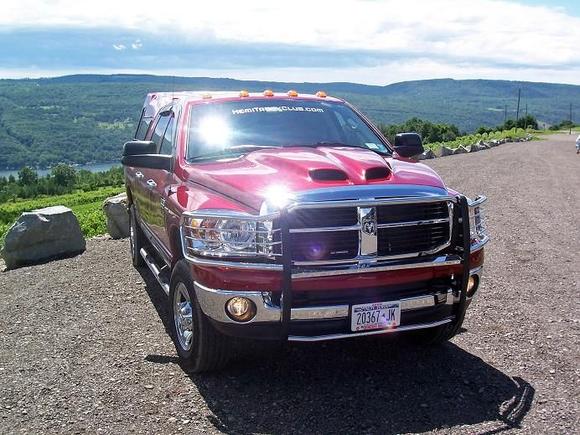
x=570 y=119
x=505 y=114
x=518 y=109
x=526 y=116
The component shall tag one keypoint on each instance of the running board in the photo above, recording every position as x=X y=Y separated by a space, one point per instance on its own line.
x=157 y=272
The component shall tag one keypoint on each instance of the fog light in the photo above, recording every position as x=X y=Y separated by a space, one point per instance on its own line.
x=240 y=309
x=472 y=285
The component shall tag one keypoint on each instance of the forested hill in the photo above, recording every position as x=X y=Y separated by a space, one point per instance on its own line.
x=86 y=118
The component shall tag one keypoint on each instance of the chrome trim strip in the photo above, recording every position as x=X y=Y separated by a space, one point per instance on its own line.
x=477 y=246
x=359 y=334
x=213 y=301
x=476 y=270
x=417 y=302
x=480 y=199
x=228 y=214
x=233 y=264
x=371 y=202
x=319 y=313
x=326 y=262
x=367 y=236
x=413 y=223
x=325 y=229
x=378 y=268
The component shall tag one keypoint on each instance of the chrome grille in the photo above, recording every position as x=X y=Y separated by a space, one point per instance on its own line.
x=373 y=230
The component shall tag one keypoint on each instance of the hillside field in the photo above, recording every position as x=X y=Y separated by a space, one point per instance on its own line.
x=86 y=118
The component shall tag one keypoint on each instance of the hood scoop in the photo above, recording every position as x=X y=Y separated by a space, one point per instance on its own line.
x=327 y=175
x=377 y=173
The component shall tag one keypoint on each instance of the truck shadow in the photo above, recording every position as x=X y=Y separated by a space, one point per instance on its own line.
x=375 y=385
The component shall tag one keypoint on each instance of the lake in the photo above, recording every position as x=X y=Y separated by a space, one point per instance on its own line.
x=96 y=167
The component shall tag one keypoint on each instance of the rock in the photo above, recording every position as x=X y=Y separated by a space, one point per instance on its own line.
x=475 y=148
x=460 y=150
x=445 y=151
x=115 y=209
x=43 y=234
x=427 y=154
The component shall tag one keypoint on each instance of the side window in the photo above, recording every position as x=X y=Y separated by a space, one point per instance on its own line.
x=167 y=141
x=143 y=126
x=160 y=129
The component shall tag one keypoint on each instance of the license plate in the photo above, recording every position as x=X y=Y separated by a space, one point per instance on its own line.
x=378 y=315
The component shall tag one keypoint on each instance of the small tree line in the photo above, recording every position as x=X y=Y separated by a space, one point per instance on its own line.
x=62 y=179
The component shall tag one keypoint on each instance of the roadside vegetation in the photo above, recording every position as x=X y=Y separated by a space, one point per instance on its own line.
x=81 y=191
x=437 y=135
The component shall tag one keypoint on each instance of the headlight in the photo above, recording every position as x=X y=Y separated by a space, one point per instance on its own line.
x=477 y=225
x=225 y=233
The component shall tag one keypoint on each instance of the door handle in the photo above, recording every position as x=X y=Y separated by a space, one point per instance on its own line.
x=139 y=174
x=151 y=183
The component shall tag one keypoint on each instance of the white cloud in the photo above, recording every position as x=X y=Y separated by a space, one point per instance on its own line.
x=496 y=37
x=119 y=47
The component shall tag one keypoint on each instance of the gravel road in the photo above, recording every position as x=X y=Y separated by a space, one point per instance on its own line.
x=84 y=346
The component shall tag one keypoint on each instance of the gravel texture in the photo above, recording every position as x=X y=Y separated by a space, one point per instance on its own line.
x=84 y=346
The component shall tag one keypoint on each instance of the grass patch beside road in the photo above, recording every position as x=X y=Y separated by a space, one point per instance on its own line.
x=471 y=139
x=85 y=205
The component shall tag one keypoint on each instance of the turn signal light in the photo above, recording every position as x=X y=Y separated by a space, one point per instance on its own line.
x=268 y=93
x=292 y=93
x=241 y=309
x=321 y=94
x=244 y=93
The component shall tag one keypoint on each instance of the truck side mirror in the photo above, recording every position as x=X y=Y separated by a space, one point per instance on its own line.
x=143 y=154
x=408 y=144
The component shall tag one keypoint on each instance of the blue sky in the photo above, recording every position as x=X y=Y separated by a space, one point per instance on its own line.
x=365 y=41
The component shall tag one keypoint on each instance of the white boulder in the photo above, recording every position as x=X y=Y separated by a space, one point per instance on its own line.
x=115 y=209
x=41 y=235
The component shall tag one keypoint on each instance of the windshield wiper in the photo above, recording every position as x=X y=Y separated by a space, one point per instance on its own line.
x=232 y=151
x=340 y=144
x=327 y=143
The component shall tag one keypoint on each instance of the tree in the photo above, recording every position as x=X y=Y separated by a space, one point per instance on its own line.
x=64 y=175
x=27 y=176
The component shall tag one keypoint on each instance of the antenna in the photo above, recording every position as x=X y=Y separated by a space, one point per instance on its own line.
x=172 y=87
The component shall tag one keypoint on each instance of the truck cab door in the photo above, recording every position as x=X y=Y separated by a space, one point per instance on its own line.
x=159 y=183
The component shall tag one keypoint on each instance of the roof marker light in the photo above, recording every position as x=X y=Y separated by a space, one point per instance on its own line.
x=268 y=93
x=244 y=93
x=321 y=94
x=292 y=93
x=206 y=96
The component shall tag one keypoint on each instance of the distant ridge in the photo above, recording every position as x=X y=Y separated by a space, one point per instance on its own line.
x=87 y=117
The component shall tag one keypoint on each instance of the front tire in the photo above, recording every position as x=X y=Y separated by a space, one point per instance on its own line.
x=439 y=334
x=199 y=345
x=136 y=238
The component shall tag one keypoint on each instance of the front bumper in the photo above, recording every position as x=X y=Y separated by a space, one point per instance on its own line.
x=324 y=322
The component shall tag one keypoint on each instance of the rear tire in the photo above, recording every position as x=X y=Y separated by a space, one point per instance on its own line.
x=199 y=345
x=136 y=238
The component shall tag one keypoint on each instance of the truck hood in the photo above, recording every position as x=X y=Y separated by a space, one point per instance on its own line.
x=271 y=173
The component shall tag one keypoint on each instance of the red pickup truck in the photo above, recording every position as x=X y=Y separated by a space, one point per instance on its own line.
x=291 y=217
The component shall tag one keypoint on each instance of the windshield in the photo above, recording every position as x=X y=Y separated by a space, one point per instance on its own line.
x=236 y=127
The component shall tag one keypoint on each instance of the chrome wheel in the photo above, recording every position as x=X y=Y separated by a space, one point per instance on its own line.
x=182 y=316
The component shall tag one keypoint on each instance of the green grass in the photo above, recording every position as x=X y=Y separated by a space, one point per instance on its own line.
x=87 y=207
x=474 y=138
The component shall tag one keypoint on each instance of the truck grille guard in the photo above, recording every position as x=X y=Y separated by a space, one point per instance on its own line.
x=453 y=250
x=374 y=263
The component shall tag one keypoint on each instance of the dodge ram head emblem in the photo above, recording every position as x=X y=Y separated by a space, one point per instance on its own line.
x=369 y=223
x=367 y=220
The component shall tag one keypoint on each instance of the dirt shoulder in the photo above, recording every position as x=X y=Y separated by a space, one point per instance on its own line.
x=84 y=345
